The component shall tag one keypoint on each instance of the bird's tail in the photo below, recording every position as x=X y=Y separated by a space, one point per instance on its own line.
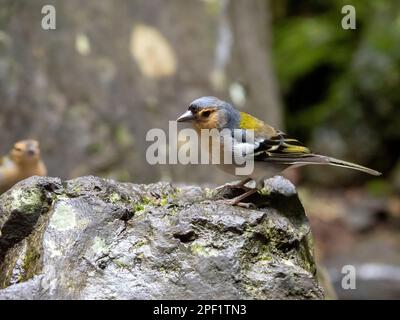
x=319 y=159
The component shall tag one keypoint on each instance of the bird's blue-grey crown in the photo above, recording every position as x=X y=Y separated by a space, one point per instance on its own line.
x=229 y=117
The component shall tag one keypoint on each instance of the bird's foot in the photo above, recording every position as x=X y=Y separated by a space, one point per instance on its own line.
x=232 y=202
x=237 y=201
x=229 y=186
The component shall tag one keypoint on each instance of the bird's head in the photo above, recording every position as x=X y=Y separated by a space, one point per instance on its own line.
x=25 y=152
x=211 y=113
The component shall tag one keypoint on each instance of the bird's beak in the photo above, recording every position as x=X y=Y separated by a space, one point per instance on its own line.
x=187 y=116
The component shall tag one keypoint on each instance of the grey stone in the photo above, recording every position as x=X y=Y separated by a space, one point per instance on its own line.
x=92 y=238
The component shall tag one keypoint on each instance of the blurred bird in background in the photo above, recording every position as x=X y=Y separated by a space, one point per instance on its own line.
x=22 y=161
x=272 y=150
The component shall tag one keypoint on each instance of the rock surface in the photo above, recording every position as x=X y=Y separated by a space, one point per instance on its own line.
x=92 y=238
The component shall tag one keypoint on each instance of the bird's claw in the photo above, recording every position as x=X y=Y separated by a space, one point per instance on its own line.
x=234 y=202
x=239 y=185
x=220 y=188
x=237 y=201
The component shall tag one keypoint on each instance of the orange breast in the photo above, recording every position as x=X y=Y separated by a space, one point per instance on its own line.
x=10 y=174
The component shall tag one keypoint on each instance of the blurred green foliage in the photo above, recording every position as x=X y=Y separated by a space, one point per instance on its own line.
x=340 y=86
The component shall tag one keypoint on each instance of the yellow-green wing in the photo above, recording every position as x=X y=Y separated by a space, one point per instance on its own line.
x=281 y=148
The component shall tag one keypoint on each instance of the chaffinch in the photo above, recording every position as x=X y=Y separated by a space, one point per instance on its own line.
x=272 y=150
x=23 y=161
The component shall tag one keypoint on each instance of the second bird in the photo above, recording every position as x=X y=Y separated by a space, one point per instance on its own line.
x=23 y=161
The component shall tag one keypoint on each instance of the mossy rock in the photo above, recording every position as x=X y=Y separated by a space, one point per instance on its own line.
x=93 y=238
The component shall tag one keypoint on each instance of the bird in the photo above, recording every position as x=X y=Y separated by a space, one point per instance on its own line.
x=22 y=161
x=272 y=150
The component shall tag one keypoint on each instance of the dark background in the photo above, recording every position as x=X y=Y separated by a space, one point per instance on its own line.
x=91 y=89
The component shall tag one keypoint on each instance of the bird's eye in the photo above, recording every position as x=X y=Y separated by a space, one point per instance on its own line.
x=206 y=114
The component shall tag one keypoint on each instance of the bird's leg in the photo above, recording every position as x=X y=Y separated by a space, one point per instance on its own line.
x=242 y=183
x=236 y=200
x=239 y=185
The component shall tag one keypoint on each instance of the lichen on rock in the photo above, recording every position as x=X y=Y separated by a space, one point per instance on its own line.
x=93 y=238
